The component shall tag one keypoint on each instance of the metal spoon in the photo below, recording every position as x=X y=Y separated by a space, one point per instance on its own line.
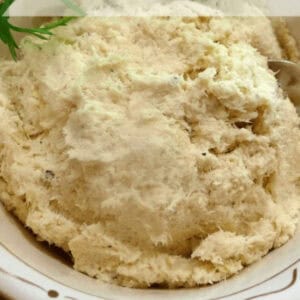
x=288 y=75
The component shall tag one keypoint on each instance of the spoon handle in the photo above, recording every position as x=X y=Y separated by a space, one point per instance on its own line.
x=288 y=75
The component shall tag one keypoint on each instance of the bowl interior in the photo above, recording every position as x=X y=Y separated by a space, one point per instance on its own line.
x=21 y=243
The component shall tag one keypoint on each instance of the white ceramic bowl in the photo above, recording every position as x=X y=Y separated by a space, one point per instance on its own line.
x=30 y=270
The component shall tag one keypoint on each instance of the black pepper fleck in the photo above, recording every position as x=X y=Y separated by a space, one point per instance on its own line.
x=49 y=174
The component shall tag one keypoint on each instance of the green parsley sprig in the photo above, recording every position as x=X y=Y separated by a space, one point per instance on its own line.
x=44 y=32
